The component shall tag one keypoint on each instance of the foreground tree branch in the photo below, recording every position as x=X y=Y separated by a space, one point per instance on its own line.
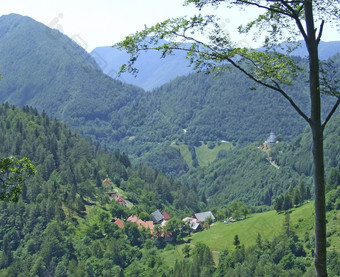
x=13 y=173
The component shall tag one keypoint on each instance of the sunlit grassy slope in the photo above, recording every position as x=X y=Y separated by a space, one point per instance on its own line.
x=204 y=154
x=268 y=224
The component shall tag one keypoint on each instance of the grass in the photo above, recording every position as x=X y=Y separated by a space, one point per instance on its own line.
x=185 y=153
x=268 y=224
x=169 y=255
x=204 y=154
x=221 y=236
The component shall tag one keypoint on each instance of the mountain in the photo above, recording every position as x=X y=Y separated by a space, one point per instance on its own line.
x=327 y=49
x=43 y=68
x=47 y=70
x=154 y=71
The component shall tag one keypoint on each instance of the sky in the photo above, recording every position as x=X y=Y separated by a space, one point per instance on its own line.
x=105 y=22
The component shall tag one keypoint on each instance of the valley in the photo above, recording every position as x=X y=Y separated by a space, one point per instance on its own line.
x=111 y=154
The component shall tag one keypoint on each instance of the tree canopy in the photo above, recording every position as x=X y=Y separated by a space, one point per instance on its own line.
x=13 y=173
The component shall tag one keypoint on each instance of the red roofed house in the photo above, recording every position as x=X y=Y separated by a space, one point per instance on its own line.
x=107 y=181
x=166 y=216
x=132 y=218
x=107 y=184
x=119 y=222
x=145 y=224
x=141 y=223
x=120 y=200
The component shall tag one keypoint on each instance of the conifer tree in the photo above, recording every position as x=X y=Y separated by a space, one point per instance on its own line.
x=236 y=242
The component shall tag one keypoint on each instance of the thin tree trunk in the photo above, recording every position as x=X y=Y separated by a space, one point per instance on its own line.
x=317 y=132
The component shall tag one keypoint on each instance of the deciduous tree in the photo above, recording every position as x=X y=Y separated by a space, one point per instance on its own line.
x=281 y=20
x=13 y=173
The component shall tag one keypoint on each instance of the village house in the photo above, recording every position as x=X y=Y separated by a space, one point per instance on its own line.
x=193 y=224
x=271 y=139
x=121 y=201
x=165 y=215
x=157 y=217
x=112 y=194
x=119 y=222
x=204 y=217
x=141 y=223
x=107 y=183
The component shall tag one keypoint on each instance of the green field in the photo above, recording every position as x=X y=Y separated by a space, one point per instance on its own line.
x=268 y=224
x=204 y=154
x=183 y=148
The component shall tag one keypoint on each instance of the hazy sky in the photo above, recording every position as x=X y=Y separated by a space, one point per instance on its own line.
x=105 y=22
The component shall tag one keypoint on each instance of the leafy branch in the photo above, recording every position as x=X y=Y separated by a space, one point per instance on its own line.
x=13 y=173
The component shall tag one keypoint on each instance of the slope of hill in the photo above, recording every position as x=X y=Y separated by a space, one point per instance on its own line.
x=247 y=174
x=64 y=215
x=256 y=234
x=154 y=71
x=45 y=69
x=327 y=49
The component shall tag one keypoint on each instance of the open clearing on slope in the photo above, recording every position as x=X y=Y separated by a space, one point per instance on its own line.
x=204 y=154
x=221 y=236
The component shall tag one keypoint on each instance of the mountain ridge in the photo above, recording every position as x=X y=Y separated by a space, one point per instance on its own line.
x=155 y=71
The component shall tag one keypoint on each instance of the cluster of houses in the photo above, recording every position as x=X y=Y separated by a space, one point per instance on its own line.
x=114 y=194
x=197 y=222
x=157 y=218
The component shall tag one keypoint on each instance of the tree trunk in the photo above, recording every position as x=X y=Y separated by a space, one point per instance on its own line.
x=317 y=132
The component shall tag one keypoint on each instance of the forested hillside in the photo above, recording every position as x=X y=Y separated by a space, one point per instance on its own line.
x=257 y=174
x=62 y=221
x=47 y=70
x=62 y=224
x=202 y=108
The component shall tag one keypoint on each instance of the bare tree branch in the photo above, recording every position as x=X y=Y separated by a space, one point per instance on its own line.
x=331 y=114
x=320 y=31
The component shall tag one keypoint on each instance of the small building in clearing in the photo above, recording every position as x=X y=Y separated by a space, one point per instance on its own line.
x=202 y=217
x=271 y=139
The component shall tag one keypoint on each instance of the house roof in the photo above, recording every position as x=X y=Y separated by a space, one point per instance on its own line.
x=119 y=222
x=157 y=216
x=165 y=215
x=145 y=224
x=271 y=138
x=133 y=218
x=120 y=199
x=112 y=194
x=194 y=225
x=204 y=216
x=193 y=222
x=140 y=223
x=107 y=181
